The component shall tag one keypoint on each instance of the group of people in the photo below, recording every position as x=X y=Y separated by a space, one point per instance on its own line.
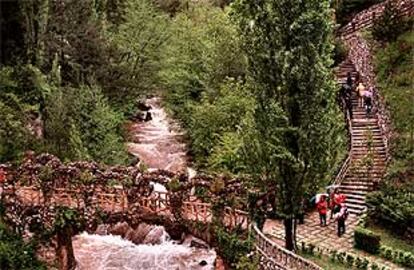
x=336 y=203
x=364 y=94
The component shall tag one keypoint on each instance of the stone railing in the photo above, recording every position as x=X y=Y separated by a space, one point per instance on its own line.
x=274 y=256
x=366 y=18
x=361 y=57
x=342 y=172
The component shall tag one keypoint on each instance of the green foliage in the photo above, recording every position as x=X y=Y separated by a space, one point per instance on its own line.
x=296 y=137
x=367 y=240
x=389 y=25
x=215 y=127
x=204 y=49
x=394 y=67
x=15 y=254
x=248 y=263
x=393 y=206
x=361 y=263
x=139 y=42
x=397 y=256
x=230 y=246
x=340 y=51
x=94 y=127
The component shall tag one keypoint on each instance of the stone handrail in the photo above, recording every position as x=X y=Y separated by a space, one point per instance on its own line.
x=366 y=18
x=274 y=256
x=342 y=172
x=360 y=55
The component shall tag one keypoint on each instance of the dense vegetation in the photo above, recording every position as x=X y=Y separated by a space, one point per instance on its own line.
x=392 y=205
x=250 y=83
x=15 y=254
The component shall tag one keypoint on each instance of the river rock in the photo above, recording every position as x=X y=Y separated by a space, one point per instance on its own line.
x=197 y=243
x=119 y=229
x=156 y=236
x=102 y=229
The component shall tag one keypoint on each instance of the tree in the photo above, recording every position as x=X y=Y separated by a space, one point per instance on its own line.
x=295 y=137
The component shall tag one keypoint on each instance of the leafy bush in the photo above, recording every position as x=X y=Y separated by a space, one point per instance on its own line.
x=204 y=49
x=15 y=254
x=230 y=246
x=361 y=263
x=340 y=52
x=389 y=25
x=367 y=240
x=398 y=256
x=392 y=205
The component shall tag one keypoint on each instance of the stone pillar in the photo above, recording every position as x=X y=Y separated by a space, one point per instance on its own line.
x=64 y=251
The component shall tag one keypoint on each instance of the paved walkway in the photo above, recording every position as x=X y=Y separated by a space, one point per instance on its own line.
x=312 y=233
x=325 y=238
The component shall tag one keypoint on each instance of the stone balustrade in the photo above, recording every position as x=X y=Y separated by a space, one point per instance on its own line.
x=366 y=18
x=360 y=55
x=276 y=257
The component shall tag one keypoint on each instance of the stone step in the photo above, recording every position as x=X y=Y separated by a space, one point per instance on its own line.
x=353 y=201
x=355 y=197
x=373 y=172
x=355 y=209
x=355 y=189
x=353 y=178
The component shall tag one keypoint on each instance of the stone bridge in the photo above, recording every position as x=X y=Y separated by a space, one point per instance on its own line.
x=34 y=194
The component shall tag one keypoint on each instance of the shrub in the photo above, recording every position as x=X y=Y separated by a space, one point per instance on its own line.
x=375 y=266
x=386 y=252
x=350 y=260
x=341 y=257
x=340 y=52
x=15 y=254
x=398 y=256
x=361 y=263
x=389 y=25
x=367 y=240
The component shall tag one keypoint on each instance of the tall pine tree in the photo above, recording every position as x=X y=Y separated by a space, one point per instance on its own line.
x=296 y=134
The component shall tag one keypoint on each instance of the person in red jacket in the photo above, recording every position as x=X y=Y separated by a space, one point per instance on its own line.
x=322 y=207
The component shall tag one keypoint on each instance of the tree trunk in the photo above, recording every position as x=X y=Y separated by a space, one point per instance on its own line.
x=65 y=255
x=288 y=222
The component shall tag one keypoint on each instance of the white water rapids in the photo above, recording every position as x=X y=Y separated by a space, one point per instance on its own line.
x=159 y=146
x=95 y=252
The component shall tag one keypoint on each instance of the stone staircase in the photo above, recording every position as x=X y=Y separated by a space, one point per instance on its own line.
x=368 y=153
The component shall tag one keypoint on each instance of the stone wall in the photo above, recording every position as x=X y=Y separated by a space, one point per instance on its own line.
x=361 y=56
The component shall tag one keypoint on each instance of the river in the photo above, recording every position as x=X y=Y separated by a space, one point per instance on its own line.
x=159 y=145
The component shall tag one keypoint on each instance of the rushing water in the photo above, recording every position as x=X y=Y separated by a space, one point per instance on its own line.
x=158 y=144
x=95 y=252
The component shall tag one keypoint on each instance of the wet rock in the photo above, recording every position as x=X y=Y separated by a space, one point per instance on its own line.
x=197 y=243
x=138 y=235
x=102 y=229
x=119 y=229
x=156 y=236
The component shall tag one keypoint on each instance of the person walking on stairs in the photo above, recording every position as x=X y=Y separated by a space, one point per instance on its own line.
x=368 y=102
x=360 y=92
x=322 y=207
x=348 y=99
x=341 y=217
